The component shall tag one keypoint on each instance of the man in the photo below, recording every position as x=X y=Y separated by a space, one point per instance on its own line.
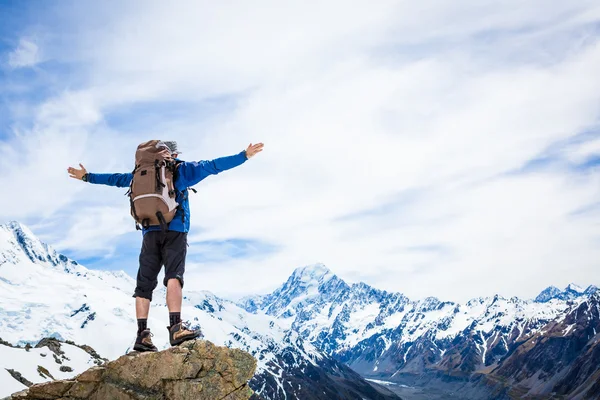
x=170 y=248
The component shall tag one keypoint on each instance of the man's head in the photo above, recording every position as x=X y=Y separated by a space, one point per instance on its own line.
x=172 y=146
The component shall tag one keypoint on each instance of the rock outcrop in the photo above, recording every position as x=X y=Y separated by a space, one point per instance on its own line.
x=195 y=370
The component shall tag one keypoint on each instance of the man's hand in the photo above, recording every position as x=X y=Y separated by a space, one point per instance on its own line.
x=77 y=173
x=253 y=149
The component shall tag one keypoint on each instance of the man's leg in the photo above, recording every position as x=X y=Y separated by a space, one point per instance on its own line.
x=142 y=308
x=174 y=252
x=150 y=265
x=174 y=295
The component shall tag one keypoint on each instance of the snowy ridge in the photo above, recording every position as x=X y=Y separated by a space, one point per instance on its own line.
x=572 y=291
x=378 y=331
x=19 y=244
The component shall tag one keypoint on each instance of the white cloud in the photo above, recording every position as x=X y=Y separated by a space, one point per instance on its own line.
x=581 y=152
x=415 y=112
x=27 y=54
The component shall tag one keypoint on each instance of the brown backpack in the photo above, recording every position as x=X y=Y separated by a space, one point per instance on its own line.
x=152 y=190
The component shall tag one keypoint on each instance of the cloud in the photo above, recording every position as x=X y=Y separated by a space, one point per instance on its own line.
x=395 y=139
x=581 y=152
x=27 y=54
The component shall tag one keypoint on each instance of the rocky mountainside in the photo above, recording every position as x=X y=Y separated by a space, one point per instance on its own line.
x=390 y=337
x=194 y=370
x=45 y=294
x=49 y=359
x=562 y=358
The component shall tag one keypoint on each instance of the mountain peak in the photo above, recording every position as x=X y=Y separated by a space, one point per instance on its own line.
x=18 y=243
x=18 y=228
x=547 y=294
x=12 y=224
x=316 y=271
x=572 y=291
x=309 y=284
x=591 y=289
x=574 y=288
x=17 y=235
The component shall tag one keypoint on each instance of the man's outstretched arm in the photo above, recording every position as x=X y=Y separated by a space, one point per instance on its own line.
x=118 y=180
x=193 y=172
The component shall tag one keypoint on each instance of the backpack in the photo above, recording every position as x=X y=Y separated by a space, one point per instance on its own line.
x=152 y=189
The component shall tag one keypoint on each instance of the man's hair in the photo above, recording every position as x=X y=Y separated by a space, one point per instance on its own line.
x=172 y=146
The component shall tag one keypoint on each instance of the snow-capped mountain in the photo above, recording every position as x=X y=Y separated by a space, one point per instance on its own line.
x=548 y=294
x=336 y=317
x=45 y=294
x=386 y=335
x=572 y=291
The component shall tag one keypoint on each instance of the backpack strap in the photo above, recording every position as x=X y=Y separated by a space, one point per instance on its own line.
x=129 y=193
x=137 y=226
x=163 y=223
x=174 y=165
x=157 y=167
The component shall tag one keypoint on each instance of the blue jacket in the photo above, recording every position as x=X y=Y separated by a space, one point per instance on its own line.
x=189 y=174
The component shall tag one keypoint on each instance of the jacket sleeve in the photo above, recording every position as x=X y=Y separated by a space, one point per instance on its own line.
x=193 y=172
x=118 y=180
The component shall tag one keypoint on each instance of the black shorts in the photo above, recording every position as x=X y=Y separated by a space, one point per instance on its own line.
x=158 y=249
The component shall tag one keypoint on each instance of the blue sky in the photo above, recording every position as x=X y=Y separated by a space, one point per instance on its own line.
x=421 y=148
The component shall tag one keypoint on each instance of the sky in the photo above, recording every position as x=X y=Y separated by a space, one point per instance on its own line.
x=433 y=148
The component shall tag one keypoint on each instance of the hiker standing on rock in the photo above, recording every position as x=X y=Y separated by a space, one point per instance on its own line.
x=158 y=193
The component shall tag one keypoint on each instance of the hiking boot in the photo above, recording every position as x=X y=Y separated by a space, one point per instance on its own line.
x=144 y=342
x=179 y=333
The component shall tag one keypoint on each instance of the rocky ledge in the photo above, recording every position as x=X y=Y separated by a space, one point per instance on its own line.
x=194 y=370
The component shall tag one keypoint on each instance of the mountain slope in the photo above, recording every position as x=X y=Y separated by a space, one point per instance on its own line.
x=45 y=294
x=20 y=367
x=563 y=358
x=387 y=336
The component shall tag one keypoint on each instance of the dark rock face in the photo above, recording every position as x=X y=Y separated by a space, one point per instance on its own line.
x=194 y=370
x=54 y=345
x=17 y=375
x=563 y=358
x=327 y=380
